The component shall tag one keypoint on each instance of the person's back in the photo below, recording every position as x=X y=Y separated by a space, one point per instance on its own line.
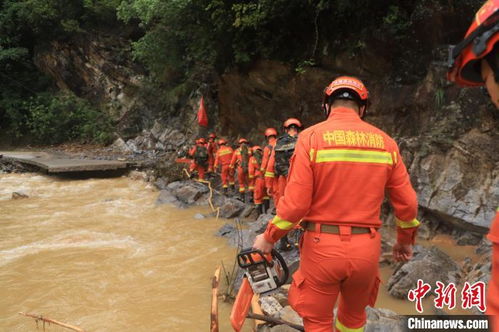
x=336 y=184
x=361 y=161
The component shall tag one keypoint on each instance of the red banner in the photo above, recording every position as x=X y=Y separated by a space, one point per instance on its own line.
x=202 y=116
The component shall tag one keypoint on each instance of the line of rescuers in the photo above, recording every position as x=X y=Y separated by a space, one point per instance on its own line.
x=260 y=173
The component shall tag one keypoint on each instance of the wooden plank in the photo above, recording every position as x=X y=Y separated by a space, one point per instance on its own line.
x=255 y=307
x=214 y=300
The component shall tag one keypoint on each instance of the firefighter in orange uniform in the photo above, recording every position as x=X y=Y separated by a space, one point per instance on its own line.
x=240 y=159
x=278 y=165
x=475 y=62
x=339 y=173
x=212 y=151
x=271 y=138
x=223 y=159
x=256 y=177
x=199 y=154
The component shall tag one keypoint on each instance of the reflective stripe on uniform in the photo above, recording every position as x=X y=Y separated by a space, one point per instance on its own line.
x=223 y=152
x=251 y=176
x=269 y=174
x=407 y=224
x=394 y=157
x=342 y=328
x=312 y=154
x=282 y=224
x=359 y=156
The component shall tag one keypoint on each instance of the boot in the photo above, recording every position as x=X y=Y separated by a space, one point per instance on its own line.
x=224 y=191
x=284 y=244
x=241 y=196
x=260 y=208
x=249 y=197
x=266 y=205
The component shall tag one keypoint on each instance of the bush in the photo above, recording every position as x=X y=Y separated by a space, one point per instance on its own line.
x=52 y=119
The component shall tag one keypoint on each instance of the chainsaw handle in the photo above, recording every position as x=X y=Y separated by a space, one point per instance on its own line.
x=277 y=255
x=245 y=259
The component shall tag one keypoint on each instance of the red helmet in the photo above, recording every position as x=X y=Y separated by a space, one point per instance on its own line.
x=477 y=44
x=345 y=87
x=212 y=135
x=201 y=140
x=256 y=147
x=222 y=141
x=270 y=132
x=292 y=121
x=243 y=140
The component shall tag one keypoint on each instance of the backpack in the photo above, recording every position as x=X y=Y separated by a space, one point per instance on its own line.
x=284 y=149
x=258 y=156
x=201 y=156
x=244 y=157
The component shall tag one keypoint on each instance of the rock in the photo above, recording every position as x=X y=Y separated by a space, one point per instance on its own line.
x=137 y=176
x=469 y=239
x=288 y=314
x=249 y=212
x=190 y=192
x=19 y=195
x=430 y=265
x=484 y=247
x=160 y=183
x=270 y=306
x=199 y=216
x=120 y=146
x=258 y=226
x=226 y=230
x=231 y=208
x=167 y=197
x=383 y=320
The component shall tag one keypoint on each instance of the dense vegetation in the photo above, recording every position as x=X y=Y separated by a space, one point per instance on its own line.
x=179 y=40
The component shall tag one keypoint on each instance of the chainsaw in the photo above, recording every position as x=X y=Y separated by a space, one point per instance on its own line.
x=265 y=272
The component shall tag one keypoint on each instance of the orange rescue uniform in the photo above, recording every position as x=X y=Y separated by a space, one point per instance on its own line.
x=267 y=152
x=223 y=159
x=242 y=175
x=493 y=291
x=338 y=176
x=212 y=152
x=195 y=167
x=256 y=180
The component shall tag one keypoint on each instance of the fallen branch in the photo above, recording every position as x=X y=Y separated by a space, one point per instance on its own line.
x=51 y=321
x=275 y=321
x=214 y=301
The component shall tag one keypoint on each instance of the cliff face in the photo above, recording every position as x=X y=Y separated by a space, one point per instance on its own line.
x=447 y=135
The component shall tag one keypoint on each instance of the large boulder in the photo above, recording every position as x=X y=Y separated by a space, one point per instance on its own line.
x=383 y=320
x=187 y=192
x=430 y=265
x=231 y=208
x=167 y=197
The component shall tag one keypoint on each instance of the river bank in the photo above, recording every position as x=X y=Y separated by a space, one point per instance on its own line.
x=444 y=254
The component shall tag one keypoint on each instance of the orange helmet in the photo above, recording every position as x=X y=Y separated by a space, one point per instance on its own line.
x=212 y=135
x=270 y=132
x=477 y=45
x=256 y=147
x=201 y=140
x=292 y=121
x=345 y=87
x=243 y=140
x=222 y=141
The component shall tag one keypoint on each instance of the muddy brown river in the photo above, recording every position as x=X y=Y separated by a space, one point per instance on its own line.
x=98 y=254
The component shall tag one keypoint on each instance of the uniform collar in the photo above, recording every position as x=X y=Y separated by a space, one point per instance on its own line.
x=343 y=113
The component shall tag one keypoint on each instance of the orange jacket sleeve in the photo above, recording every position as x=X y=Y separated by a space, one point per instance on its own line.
x=265 y=159
x=269 y=171
x=252 y=164
x=217 y=159
x=404 y=201
x=233 y=160
x=295 y=203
